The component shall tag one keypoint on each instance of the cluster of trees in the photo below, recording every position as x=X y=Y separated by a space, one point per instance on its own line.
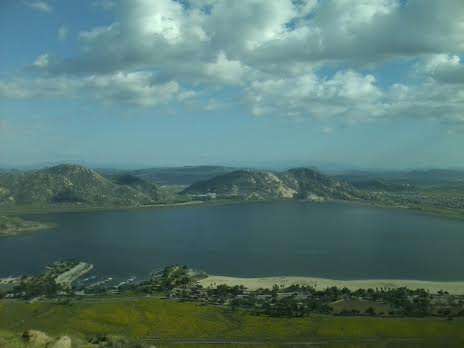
x=36 y=286
x=294 y=301
x=298 y=301
x=169 y=278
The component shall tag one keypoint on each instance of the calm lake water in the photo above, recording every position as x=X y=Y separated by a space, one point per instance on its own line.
x=332 y=240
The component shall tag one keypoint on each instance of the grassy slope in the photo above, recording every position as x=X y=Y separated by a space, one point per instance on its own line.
x=170 y=320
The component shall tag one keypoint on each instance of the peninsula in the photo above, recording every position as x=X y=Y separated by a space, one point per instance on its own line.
x=12 y=226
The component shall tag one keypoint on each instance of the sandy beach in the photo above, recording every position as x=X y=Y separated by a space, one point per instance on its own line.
x=456 y=288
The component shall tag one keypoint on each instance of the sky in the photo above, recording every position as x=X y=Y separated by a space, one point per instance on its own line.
x=355 y=84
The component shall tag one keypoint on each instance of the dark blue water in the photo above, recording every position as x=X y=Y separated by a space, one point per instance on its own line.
x=331 y=240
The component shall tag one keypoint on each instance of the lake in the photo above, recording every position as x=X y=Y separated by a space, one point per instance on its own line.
x=330 y=240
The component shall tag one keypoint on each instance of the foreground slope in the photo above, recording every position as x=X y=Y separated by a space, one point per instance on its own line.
x=178 y=322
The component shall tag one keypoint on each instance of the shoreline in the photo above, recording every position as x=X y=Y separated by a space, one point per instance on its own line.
x=26 y=210
x=423 y=210
x=454 y=287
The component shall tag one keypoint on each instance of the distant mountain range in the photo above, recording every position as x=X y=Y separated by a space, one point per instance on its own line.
x=301 y=183
x=172 y=175
x=80 y=186
x=409 y=178
x=382 y=185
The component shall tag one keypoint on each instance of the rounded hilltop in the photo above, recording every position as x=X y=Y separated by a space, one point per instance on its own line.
x=70 y=169
x=73 y=184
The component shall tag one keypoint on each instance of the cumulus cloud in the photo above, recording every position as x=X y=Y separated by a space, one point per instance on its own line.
x=293 y=58
x=354 y=97
x=348 y=94
x=137 y=88
x=40 y=6
x=228 y=71
x=134 y=88
x=444 y=68
x=263 y=34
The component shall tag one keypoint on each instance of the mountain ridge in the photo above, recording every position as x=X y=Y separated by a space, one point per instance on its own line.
x=302 y=183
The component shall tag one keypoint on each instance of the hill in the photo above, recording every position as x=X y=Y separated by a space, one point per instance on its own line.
x=73 y=184
x=309 y=182
x=258 y=184
x=300 y=183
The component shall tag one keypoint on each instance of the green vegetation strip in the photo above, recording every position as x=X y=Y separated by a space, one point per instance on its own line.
x=156 y=318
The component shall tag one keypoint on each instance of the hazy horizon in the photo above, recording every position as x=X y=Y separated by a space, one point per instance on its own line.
x=329 y=168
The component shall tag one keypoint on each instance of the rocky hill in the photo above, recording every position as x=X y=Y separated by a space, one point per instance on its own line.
x=299 y=183
x=244 y=183
x=72 y=184
x=311 y=183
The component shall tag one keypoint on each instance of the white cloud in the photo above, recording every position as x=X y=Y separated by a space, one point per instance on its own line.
x=37 y=88
x=347 y=94
x=444 y=67
x=267 y=35
x=228 y=71
x=42 y=61
x=139 y=88
x=62 y=33
x=291 y=58
x=164 y=20
x=134 y=88
x=40 y=6
x=353 y=97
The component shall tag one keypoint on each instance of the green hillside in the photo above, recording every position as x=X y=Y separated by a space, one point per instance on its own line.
x=73 y=185
x=168 y=321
